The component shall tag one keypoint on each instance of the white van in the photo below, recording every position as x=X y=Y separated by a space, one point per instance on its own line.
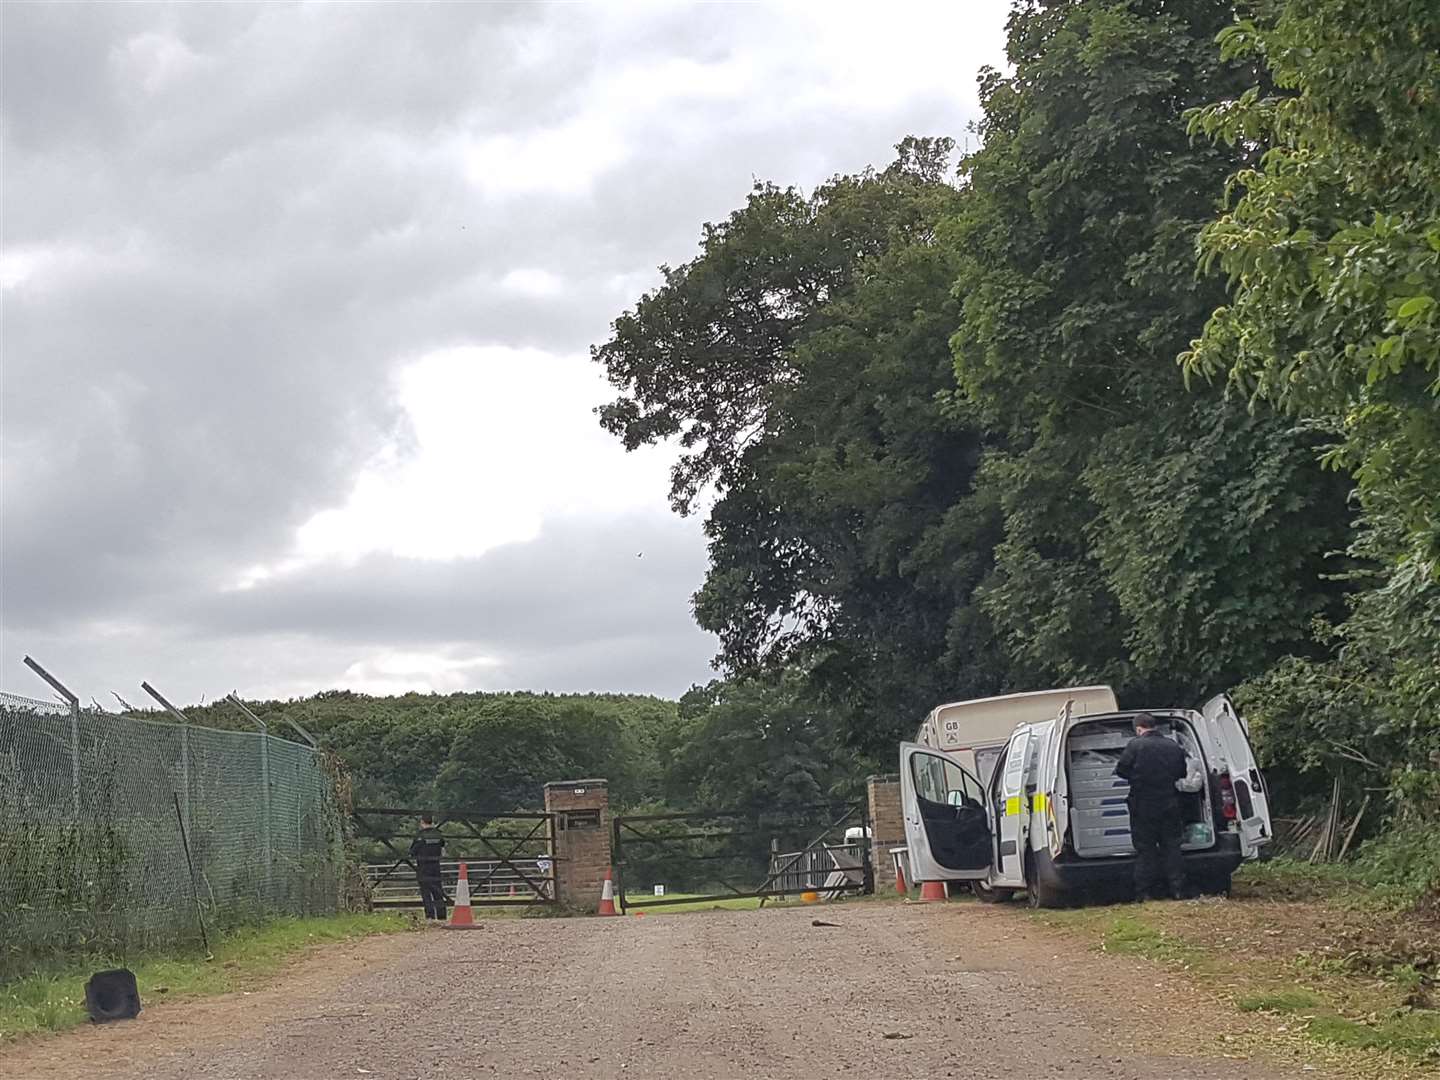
x=1051 y=818
x=974 y=732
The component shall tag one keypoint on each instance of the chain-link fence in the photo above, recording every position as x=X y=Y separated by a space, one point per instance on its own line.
x=96 y=811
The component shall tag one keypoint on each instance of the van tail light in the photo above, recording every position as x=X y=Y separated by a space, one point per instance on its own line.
x=1227 y=797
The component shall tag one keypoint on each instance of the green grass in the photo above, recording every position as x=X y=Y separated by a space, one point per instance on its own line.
x=1414 y=1034
x=54 y=999
x=1129 y=935
x=1356 y=884
x=1279 y=1001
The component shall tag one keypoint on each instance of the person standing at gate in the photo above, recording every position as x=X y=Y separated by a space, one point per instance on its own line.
x=1153 y=764
x=426 y=849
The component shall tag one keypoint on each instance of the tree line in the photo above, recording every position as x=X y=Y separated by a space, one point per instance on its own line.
x=732 y=745
x=1144 y=390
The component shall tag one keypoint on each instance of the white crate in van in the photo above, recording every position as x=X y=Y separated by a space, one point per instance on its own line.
x=1103 y=740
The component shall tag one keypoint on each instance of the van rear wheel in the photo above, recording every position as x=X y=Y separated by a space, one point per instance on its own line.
x=1215 y=885
x=1037 y=894
x=990 y=894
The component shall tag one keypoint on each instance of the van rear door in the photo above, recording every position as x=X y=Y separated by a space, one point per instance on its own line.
x=1252 y=807
x=946 y=827
x=1012 y=811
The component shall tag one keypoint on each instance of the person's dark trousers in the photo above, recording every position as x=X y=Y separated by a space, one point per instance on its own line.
x=433 y=897
x=1157 y=831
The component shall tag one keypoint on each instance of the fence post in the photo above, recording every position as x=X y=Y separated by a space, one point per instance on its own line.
x=75 y=760
x=267 y=851
x=64 y=691
x=887 y=825
x=185 y=774
x=184 y=750
x=265 y=819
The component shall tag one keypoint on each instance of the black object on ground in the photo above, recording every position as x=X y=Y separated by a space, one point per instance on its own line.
x=112 y=995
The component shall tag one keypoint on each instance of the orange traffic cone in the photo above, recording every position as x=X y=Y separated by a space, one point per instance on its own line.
x=932 y=890
x=900 y=880
x=607 y=897
x=462 y=918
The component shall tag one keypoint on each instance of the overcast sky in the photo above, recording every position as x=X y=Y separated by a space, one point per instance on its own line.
x=296 y=304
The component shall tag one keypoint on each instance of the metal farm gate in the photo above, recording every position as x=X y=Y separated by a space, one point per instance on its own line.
x=509 y=855
x=686 y=858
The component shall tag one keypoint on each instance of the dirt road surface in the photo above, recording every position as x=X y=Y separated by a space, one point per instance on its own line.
x=893 y=991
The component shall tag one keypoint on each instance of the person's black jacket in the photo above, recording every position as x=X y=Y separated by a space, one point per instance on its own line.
x=426 y=850
x=1152 y=763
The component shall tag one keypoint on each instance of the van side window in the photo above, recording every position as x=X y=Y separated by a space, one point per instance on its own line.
x=940 y=781
x=1015 y=768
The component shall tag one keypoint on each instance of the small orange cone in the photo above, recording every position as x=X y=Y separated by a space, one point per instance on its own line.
x=462 y=918
x=607 y=897
x=932 y=890
x=900 y=880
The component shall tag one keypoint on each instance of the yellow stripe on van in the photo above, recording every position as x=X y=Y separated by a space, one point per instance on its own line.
x=1039 y=802
x=1012 y=805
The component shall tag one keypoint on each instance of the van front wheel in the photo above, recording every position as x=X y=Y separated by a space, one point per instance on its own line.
x=989 y=894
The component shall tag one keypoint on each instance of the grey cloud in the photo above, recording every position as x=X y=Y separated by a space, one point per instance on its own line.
x=242 y=250
x=575 y=609
x=580 y=580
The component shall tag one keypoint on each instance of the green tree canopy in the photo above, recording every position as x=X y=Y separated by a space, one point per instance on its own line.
x=1168 y=543
x=1331 y=247
x=845 y=537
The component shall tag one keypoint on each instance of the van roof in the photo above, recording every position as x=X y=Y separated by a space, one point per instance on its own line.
x=1092 y=694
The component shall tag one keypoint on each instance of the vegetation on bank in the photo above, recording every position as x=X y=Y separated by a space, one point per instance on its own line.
x=1320 y=954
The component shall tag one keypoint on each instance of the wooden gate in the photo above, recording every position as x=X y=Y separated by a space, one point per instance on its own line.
x=706 y=855
x=509 y=856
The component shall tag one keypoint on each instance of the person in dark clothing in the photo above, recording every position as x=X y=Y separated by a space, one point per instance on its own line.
x=1152 y=764
x=426 y=849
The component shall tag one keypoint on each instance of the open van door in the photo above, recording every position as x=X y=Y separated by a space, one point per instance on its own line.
x=946 y=826
x=1251 y=804
x=1011 y=805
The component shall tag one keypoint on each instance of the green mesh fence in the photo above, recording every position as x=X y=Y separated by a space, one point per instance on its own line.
x=91 y=851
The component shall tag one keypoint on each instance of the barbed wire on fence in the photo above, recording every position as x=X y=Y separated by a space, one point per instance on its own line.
x=95 y=812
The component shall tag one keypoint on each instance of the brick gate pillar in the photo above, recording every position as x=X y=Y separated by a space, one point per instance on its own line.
x=582 y=839
x=887 y=827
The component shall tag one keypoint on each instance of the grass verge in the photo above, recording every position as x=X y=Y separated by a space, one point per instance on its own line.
x=1326 y=958
x=54 y=999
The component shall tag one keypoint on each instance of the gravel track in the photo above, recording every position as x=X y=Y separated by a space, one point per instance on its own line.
x=894 y=991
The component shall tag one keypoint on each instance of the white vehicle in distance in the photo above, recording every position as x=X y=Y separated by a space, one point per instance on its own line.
x=1051 y=817
x=974 y=732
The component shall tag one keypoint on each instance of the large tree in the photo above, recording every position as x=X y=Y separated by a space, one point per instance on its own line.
x=1331 y=248
x=801 y=357
x=1167 y=542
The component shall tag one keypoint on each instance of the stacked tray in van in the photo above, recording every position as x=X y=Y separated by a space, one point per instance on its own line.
x=1099 y=818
